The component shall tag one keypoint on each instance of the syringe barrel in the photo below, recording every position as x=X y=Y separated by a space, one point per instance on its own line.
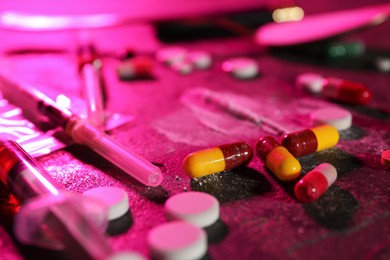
x=133 y=164
x=23 y=174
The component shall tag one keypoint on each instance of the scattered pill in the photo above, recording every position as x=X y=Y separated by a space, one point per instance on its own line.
x=382 y=64
x=311 y=140
x=335 y=89
x=217 y=159
x=310 y=82
x=314 y=184
x=116 y=199
x=177 y=240
x=345 y=91
x=385 y=159
x=200 y=59
x=198 y=208
x=278 y=159
x=170 y=54
x=137 y=67
x=340 y=118
x=182 y=67
x=241 y=67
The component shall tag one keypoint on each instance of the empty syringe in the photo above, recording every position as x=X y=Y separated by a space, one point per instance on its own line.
x=50 y=217
x=35 y=103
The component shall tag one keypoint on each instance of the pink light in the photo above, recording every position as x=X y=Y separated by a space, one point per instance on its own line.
x=27 y=22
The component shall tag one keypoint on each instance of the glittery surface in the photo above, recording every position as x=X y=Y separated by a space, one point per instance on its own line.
x=261 y=215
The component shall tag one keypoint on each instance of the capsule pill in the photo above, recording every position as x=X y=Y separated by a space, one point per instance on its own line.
x=336 y=89
x=217 y=159
x=311 y=140
x=346 y=91
x=315 y=183
x=278 y=159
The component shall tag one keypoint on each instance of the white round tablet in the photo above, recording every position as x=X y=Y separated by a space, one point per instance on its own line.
x=200 y=59
x=177 y=240
x=126 y=255
x=241 y=67
x=310 y=82
x=116 y=199
x=198 y=208
x=340 y=118
x=170 y=54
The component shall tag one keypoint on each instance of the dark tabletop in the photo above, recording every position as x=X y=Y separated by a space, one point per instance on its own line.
x=259 y=216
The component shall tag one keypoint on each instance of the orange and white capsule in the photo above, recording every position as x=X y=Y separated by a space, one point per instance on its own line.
x=217 y=159
x=278 y=159
x=315 y=183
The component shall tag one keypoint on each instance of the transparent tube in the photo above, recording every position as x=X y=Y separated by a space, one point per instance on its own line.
x=50 y=217
x=66 y=222
x=20 y=172
x=130 y=162
x=93 y=95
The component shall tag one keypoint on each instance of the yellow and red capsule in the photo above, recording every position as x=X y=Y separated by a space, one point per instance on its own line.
x=311 y=140
x=217 y=159
x=278 y=159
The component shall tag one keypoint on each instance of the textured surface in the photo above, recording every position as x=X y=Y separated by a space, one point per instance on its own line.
x=261 y=215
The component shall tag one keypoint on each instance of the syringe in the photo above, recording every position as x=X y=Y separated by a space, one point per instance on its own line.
x=91 y=74
x=35 y=103
x=50 y=217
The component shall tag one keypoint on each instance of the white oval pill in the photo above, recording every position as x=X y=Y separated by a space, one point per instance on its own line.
x=241 y=67
x=340 y=118
x=177 y=240
x=198 y=208
x=200 y=59
x=310 y=82
x=169 y=55
x=116 y=199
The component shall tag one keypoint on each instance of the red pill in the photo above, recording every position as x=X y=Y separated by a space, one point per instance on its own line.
x=315 y=183
x=345 y=91
x=334 y=88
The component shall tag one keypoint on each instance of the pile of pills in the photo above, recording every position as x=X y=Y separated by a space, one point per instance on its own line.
x=279 y=158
